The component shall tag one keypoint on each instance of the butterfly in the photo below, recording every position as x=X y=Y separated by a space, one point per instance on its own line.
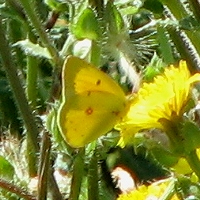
x=92 y=103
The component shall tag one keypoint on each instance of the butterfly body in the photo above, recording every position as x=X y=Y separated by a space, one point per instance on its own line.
x=92 y=103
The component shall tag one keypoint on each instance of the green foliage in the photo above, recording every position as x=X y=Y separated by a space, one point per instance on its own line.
x=140 y=37
x=6 y=169
x=33 y=49
x=87 y=26
x=190 y=133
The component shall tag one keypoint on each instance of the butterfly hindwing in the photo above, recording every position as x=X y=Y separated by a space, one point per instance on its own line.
x=92 y=103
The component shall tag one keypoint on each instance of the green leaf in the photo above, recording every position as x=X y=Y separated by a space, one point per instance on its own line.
x=154 y=5
x=6 y=169
x=164 y=157
x=190 y=134
x=187 y=189
x=154 y=68
x=189 y=23
x=129 y=10
x=165 y=45
x=122 y=2
x=114 y=18
x=33 y=49
x=57 y=5
x=87 y=26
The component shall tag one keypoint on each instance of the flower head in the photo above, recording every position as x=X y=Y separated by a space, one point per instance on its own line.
x=153 y=191
x=164 y=98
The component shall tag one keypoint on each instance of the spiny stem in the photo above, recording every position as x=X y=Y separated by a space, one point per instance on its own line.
x=93 y=186
x=15 y=84
x=32 y=75
x=195 y=6
x=44 y=164
x=78 y=171
x=34 y=18
x=95 y=53
x=45 y=172
x=185 y=48
x=194 y=162
x=16 y=190
x=177 y=9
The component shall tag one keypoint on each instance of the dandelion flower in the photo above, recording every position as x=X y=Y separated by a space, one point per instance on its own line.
x=164 y=98
x=153 y=191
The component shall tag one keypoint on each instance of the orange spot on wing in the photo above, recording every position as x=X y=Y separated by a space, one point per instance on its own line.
x=89 y=111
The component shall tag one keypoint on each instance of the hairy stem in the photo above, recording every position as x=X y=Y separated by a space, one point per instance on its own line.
x=93 y=192
x=16 y=190
x=194 y=162
x=36 y=22
x=43 y=172
x=18 y=91
x=78 y=171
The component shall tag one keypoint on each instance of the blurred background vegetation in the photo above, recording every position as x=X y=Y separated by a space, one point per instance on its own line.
x=35 y=38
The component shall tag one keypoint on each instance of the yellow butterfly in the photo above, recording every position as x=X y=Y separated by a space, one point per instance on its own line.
x=92 y=103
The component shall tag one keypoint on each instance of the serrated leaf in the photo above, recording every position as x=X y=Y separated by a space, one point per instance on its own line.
x=33 y=49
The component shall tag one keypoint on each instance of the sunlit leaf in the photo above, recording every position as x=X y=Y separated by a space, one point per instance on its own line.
x=33 y=49
x=87 y=25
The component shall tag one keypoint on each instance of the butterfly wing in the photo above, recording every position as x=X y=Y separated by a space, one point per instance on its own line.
x=92 y=103
x=80 y=76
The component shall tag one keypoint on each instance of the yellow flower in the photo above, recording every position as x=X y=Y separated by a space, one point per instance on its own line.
x=164 y=98
x=182 y=167
x=153 y=191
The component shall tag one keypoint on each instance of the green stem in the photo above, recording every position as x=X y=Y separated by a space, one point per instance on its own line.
x=14 y=35
x=21 y=101
x=169 y=192
x=95 y=53
x=46 y=180
x=177 y=8
x=78 y=172
x=68 y=43
x=53 y=187
x=184 y=47
x=44 y=164
x=195 y=6
x=34 y=18
x=179 y=12
x=32 y=73
x=194 y=162
x=95 y=56
x=93 y=192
